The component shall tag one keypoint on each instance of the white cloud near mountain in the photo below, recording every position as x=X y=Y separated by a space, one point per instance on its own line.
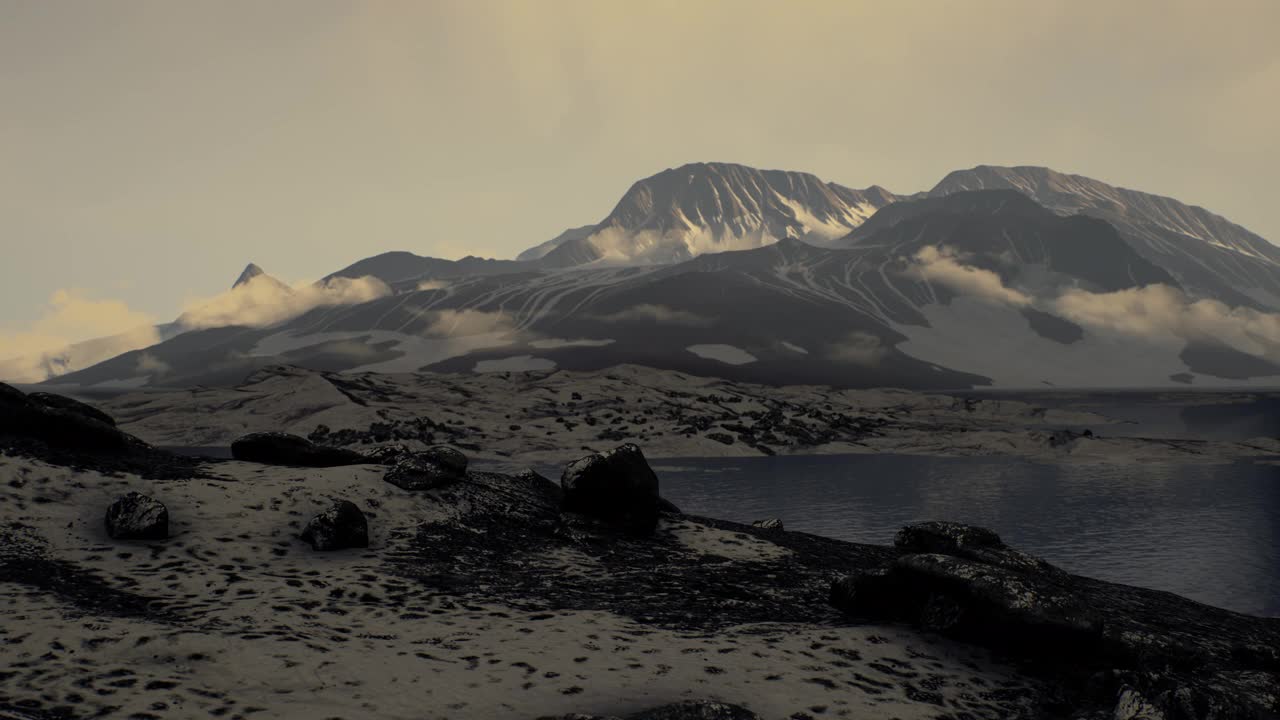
x=943 y=266
x=1156 y=313
x=1160 y=311
x=56 y=342
x=660 y=314
x=264 y=301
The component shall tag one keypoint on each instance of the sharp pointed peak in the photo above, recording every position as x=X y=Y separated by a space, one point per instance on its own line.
x=251 y=271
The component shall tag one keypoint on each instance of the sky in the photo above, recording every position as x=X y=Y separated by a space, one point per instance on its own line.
x=150 y=150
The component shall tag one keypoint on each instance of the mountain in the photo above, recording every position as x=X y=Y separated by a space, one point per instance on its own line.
x=712 y=207
x=571 y=235
x=405 y=270
x=957 y=290
x=1209 y=255
x=251 y=271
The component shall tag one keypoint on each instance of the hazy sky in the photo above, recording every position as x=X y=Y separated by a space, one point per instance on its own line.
x=149 y=150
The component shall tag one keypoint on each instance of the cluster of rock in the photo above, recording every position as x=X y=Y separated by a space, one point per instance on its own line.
x=963 y=581
x=690 y=710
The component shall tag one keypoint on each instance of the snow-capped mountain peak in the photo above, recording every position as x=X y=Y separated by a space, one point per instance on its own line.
x=699 y=208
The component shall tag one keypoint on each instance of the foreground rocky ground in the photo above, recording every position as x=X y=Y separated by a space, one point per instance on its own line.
x=547 y=418
x=487 y=595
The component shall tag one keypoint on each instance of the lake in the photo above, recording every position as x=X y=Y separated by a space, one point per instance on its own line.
x=1207 y=532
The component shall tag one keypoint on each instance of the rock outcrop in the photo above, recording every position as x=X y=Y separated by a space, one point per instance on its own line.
x=616 y=486
x=274 y=448
x=62 y=402
x=137 y=517
x=768 y=524
x=341 y=526
x=1137 y=653
x=66 y=432
x=429 y=469
x=690 y=710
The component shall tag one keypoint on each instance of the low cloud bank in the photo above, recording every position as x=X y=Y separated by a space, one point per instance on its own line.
x=265 y=301
x=55 y=343
x=657 y=313
x=1156 y=313
x=943 y=265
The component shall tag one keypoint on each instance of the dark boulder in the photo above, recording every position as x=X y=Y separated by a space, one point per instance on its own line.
x=963 y=581
x=23 y=417
x=137 y=517
x=769 y=524
x=616 y=486
x=341 y=526
x=428 y=469
x=274 y=448
x=995 y=604
x=63 y=402
x=971 y=542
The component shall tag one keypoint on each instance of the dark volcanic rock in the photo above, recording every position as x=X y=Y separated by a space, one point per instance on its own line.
x=968 y=541
x=689 y=710
x=696 y=710
x=341 y=526
x=137 y=517
x=24 y=417
x=63 y=402
x=616 y=486
x=76 y=438
x=1000 y=606
x=1118 y=650
x=432 y=468
x=769 y=524
x=273 y=448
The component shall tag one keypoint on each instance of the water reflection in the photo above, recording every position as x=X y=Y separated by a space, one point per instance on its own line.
x=1211 y=533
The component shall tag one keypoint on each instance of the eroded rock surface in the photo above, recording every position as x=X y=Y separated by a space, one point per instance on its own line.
x=341 y=526
x=137 y=517
x=428 y=469
x=616 y=486
x=1137 y=653
x=273 y=448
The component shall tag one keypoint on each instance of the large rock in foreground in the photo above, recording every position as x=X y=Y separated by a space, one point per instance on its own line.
x=616 y=486
x=273 y=448
x=137 y=517
x=63 y=423
x=341 y=526
x=429 y=469
x=962 y=580
x=62 y=402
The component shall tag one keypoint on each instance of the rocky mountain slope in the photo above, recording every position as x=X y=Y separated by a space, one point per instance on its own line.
x=1014 y=277
x=1208 y=254
x=713 y=207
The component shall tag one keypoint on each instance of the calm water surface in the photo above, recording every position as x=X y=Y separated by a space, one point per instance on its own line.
x=1208 y=532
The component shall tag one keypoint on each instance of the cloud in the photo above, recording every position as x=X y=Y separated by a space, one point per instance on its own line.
x=265 y=301
x=660 y=314
x=858 y=348
x=450 y=323
x=74 y=332
x=149 y=364
x=432 y=285
x=1160 y=312
x=942 y=265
